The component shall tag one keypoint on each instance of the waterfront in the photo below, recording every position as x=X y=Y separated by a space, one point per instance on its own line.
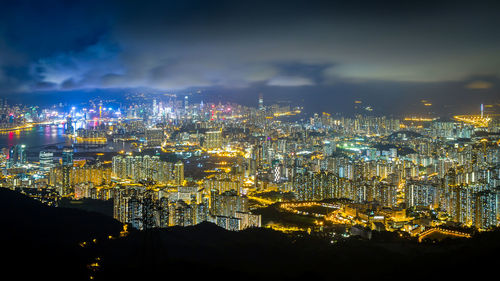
x=52 y=138
x=35 y=138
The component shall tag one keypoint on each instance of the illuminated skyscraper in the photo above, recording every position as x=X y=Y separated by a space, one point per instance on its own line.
x=46 y=160
x=227 y=203
x=67 y=164
x=69 y=126
x=12 y=157
x=100 y=109
x=261 y=102
x=179 y=173
x=21 y=151
x=421 y=194
x=486 y=209
x=17 y=155
x=248 y=220
x=228 y=223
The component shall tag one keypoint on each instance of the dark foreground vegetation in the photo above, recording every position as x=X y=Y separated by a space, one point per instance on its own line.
x=44 y=243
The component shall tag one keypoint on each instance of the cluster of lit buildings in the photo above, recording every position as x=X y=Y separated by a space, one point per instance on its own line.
x=145 y=208
x=143 y=168
x=386 y=172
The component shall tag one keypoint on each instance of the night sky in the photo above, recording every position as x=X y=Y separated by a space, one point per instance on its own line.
x=326 y=53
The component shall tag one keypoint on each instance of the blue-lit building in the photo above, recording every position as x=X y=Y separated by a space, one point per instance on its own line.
x=67 y=164
x=17 y=155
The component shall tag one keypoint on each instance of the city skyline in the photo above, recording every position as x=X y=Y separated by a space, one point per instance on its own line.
x=172 y=148
x=336 y=51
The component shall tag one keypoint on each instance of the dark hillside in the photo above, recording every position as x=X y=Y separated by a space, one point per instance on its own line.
x=42 y=242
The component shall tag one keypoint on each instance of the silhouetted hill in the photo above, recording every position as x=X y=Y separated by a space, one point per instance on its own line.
x=206 y=251
x=61 y=225
x=43 y=242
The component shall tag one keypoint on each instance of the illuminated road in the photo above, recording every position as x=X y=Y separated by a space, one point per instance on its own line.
x=454 y=233
x=476 y=120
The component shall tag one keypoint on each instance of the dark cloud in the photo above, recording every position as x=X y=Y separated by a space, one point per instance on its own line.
x=68 y=84
x=314 y=72
x=174 y=45
x=43 y=86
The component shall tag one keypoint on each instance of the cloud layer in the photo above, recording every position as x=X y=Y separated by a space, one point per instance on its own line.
x=173 y=45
